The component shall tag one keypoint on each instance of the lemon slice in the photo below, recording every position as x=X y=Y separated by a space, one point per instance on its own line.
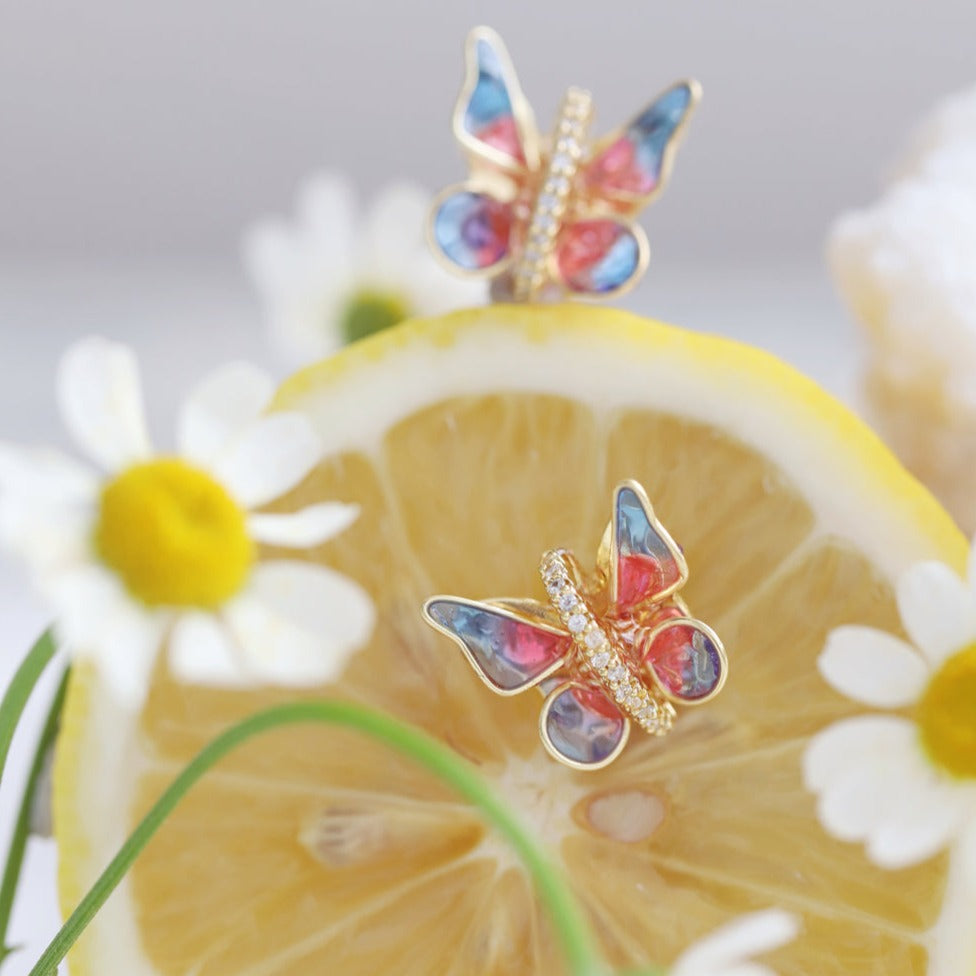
x=473 y=443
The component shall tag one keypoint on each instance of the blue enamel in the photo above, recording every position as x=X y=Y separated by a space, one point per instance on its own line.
x=582 y=734
x=510 y=654
x=472 y=230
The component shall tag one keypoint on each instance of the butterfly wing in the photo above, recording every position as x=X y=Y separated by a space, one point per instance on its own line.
x=601 y=256
x=472 y=230
x=645 y=562
x=631 y=165
x=493 y=119
x=686 y=660
x=581 y=727
x=510 y=649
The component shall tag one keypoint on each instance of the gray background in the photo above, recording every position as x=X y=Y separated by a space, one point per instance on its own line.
x=137 y=138
x=151 y=129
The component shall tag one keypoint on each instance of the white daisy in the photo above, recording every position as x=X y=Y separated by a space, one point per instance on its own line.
x=332 y=277
x=729 y=950
x=146 y=550
x=904 y=784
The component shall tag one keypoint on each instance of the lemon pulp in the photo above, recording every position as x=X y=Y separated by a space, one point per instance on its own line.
x=480 y=442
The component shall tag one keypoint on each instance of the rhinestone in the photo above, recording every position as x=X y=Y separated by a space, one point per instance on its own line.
x=548 y=202
x=566 y=601
x=619 y=673
x=562 y=162
x=600 y=660
x=594 y=638
x=557 y=185
x=621 y=694
x=577 y=623
x=648 y=714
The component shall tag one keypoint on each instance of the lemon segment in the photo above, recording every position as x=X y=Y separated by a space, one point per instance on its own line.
x=474 y=443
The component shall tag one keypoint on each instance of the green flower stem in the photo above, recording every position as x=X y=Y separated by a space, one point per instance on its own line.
x=20 y=688
x=570 y=925
x=22 y=825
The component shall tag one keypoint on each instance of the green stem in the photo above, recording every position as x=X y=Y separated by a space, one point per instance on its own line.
x=569 y=924
x=20 y=688
x=18 y=841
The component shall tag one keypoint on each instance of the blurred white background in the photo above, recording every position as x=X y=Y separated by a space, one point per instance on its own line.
x=137 y=139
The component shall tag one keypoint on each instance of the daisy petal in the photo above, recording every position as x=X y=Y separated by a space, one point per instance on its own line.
x=100 y=396
x=201 y=652
x=97 y=621
x=844 y=744
x=872 y=667
x=917 y=828
x=270 y=457
x=736 y=942
x=224 y=403
x=395 y=224
x=270 y=257
x=937 y=608
x=297 y=624
x=305 y=528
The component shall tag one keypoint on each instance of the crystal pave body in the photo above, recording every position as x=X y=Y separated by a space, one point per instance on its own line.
x=616 y=648
x=531 y=271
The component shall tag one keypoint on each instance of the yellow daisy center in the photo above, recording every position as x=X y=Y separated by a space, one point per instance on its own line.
x=946 y=714
x=370 y=311
x=173 y=534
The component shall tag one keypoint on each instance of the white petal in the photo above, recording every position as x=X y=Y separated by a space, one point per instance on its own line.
x=965 y=854
x=872 y=667
x=201 y=651
x=100 y=396
x=298 y=624
x=736 y=942
x=395 y=224
x=47 y=504
x=305 y=528
x=224 y=403
x=847 y=742
x=937 y=608
x=271 y=256
x=917 y=828
x=327 y=216
x=97 y=621
x=269 y=458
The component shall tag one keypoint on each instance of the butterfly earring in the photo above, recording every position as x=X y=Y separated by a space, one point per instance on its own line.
x=607 y=651
x=556 y=215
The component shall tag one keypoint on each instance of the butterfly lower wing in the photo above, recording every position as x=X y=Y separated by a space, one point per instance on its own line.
x=645 y=562
x=472 y=230
x=492 y=118
x=600 y=256
x=581 y=727
x=632 y=164
x=686 y=660
x=510 y=650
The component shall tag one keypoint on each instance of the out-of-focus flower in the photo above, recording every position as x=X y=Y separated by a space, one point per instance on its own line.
x=332 y=276
x=153 y=550
x=729 y=950
x=907 y=268
x=904 y=784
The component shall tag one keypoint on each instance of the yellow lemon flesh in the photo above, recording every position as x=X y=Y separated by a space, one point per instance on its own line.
x=473 y=443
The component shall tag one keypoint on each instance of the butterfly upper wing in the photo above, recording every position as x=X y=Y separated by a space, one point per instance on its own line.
x=601 y=256
x=645 y=562
x=472 y=229
x=511 y=647
x=493 y=119
x=581 y=726
x=632 y=164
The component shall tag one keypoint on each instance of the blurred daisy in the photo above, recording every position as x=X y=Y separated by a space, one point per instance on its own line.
x=729 y=950
x=904 y=784
x=333 y=277
x=145 y=550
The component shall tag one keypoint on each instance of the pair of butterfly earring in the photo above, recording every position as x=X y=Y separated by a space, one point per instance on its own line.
x=618 y=647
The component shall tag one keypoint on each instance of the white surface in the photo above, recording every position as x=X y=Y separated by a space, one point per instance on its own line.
x=160 y=128
x=183 y=320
